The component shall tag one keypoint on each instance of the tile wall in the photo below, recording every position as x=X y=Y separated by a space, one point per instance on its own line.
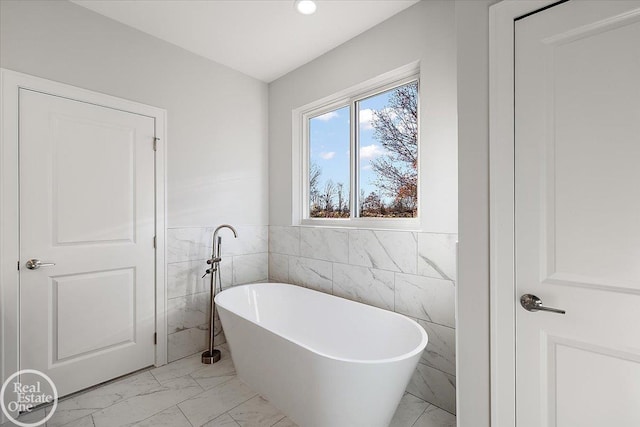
x=411 y=273
x=244 y=260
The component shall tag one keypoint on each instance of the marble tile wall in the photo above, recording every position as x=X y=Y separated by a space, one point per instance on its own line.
x=244 y=260
x=411 y=273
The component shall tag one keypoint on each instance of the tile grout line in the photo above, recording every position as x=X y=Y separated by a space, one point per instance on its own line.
x=279 y=419
x=422 y=413
x=161 y=385
x=239 y=404
x=184 y=415
x=437 y=369
x=431 y=404
x=108 y=383
x=366 y=266
x=231 y=377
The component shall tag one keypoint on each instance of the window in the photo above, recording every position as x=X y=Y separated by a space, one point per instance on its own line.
x=361 y=156
x=329 y=177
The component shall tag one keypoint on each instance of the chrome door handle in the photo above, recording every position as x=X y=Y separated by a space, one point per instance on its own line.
x=532 y=303
x=34 y=264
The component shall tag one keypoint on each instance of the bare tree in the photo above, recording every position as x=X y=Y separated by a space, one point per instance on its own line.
x=340 y=194
x=396 y=127
x=373 y=205
x=327 y=196
x=314 y=179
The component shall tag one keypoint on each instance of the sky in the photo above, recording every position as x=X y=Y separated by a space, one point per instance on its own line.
x=329 y=143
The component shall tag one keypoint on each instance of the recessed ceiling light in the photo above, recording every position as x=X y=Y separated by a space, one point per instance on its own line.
x=306 y=7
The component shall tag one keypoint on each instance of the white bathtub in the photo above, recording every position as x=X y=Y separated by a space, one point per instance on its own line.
x=324 y=361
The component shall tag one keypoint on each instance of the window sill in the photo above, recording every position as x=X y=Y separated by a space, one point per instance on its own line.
x=392 y=224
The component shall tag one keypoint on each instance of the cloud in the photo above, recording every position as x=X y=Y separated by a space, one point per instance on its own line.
x=371 y=151
x=327 y=116
x=367 y=167
x=328 y=155
x=366 y=119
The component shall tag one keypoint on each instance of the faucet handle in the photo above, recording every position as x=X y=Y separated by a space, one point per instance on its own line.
x=205 y=273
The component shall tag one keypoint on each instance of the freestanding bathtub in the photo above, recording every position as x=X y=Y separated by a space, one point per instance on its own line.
x=324 y=361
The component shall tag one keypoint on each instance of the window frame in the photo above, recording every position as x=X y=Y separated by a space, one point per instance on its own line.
x=301 y=145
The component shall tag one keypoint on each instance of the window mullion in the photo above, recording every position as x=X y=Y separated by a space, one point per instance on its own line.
x=355 y=205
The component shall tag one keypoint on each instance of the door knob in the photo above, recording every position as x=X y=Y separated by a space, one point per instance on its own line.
x=532 y=303
x=34 y=264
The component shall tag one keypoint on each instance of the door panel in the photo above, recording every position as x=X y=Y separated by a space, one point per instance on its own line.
x=79 y=306
x=577 y=214
x=105 y=213
x=608 y=383
x=87 y=205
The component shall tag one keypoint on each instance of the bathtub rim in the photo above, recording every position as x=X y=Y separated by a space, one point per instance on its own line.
x=424 y=338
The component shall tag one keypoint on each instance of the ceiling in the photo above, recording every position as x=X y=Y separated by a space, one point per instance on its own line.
x=262 y=38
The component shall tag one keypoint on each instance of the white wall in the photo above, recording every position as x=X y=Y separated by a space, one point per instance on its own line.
x=217 y=163
x=424 y=32
x=472 y=333
x=217 y=117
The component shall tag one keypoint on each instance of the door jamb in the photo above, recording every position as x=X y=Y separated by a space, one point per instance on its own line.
x=502 y=17
x=10 y=83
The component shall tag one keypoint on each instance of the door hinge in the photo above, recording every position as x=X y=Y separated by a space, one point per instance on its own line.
x=155 y=338
x=154 y=242
x=18 y=265
x=155 y=143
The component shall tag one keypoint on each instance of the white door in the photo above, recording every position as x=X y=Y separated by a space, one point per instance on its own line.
x=577 y=172
x=87 y=205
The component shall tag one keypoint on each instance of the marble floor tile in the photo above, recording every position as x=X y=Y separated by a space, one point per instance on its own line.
x=145 y=405
x=177 y=369
x=216 y=401
x=210 y=376
x=82 y=422
x=223 y=420
x=256 y=412
x=436 y=417
x=172 y=417
x=28 y=417
x=409 y=410
x=83 y=404
x=285 y=422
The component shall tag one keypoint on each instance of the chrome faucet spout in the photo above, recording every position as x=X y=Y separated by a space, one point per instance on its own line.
x=216 y=239
x=230 y=227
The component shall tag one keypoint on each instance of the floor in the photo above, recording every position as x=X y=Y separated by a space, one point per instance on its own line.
x=186 y=393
